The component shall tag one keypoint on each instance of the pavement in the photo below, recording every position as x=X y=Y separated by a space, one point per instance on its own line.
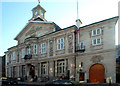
x=32 y=83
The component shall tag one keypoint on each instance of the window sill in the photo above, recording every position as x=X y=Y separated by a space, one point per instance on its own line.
x=97 y=47
x=60 y=49
x=96 y=35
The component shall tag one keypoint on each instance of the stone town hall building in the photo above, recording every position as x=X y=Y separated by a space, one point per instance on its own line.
x=46 y=52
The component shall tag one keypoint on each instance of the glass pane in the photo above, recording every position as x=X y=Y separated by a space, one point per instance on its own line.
x=35 y=46
x=98 y=31
x=58 y=46
x=94 y=32
x=62 y=40
x=94 y=41
x=62 y=46
x=59 y=41
x=63 y=69
x=82 y=46
x=98 y=41
x=60 y=70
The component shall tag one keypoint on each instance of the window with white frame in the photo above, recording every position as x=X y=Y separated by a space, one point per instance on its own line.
x=61 y=67
x=23 y=53
x=29 y=51
x=14 y=56
x=96 y=41
x=43 y=48
x=96 y=32
x=82 y=45
x=44 y=68
x=60 y=43
x=35 y=49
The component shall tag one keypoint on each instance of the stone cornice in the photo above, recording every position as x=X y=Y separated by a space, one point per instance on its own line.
x=96 y=52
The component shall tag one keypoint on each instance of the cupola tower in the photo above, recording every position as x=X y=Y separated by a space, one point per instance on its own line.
x=38 y=13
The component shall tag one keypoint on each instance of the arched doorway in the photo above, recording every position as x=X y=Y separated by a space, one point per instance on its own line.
x=96 y=73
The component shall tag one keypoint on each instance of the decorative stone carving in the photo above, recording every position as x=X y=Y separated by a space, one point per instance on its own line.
x=51 y=47
x=33 y=30
x=60 y=52
x=96 y=59
x=70 y=43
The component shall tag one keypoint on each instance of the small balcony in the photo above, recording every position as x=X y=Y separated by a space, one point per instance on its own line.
x=80 y=48
x=29 y=56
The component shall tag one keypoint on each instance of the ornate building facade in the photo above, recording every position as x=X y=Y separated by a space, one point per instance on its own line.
x=46 y=52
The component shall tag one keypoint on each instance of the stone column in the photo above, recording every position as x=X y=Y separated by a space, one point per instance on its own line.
x=54 y=47
x=40 y=70
x=36 y=70
x=85 y=77
x=26 y=72
x=66 y=44
x=48 y=48
x=17 y=71
x=51 y=70
x=74 y=42
x=65 y=71
x=47 y=68
x=55 y=68
x=71 y=66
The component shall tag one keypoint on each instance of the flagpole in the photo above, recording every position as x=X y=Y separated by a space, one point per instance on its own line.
x=77 y=11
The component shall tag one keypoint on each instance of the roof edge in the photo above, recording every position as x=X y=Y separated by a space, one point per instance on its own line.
x=100 y=21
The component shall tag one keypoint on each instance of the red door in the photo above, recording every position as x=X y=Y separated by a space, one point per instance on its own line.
x=96 y=73
x=81 y=76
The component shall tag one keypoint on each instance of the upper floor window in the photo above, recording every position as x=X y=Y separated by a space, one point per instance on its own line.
x=14 y=55
x=96 y=32
x=35 y=49
x=96 y=41
x=43 y=48
x=23 y=53
x=60 y=43
x=82 y=45
x=29 y=51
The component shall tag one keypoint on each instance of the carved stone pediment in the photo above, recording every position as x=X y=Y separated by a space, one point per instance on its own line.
x=96 y=58
x=33 y=30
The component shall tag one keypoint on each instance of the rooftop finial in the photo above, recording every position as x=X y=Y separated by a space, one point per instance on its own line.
x=39 y=1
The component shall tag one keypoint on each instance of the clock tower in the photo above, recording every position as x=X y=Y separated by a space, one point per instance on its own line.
x=38 y=13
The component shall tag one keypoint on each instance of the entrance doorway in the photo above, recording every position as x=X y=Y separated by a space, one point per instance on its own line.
x=81 y=76
x=96 y=73
x=32 y=71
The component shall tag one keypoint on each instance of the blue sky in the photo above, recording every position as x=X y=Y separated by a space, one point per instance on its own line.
x=15 y=15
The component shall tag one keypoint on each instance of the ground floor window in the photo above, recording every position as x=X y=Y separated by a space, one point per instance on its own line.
x=23 y=71
x=14 y=71
x=60 y=67
x=44 y=68
x=11 y=71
